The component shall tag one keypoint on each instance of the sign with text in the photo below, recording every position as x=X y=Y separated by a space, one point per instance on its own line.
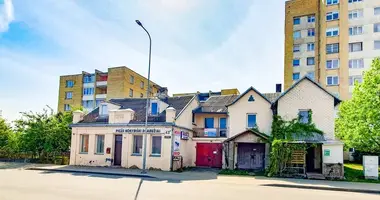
x=210 y=132
x=141 y=130
x=326 y=152
x=184 y=135
x=177 y=142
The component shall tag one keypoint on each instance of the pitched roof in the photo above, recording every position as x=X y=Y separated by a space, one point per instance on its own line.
x=257 y=133
x=272 y=96
x=215 y=104
x=336 y=99
x=312 y=138
x=244 y=93
x=138 y=105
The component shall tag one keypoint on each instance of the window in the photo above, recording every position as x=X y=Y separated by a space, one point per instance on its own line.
x=332 y=16
x=104 y=109
x=332 y=64
x=377 y=44
x=356 y=63
x=67 y=107
x=223 y=123
x=69 y=84
x=154 y=108
x=377 y=11
x=353 y=1
x=332 y=80
x=84 y=143
x=296 y=20
x=310 y=61
x=376 y=28
x=88 y=78
x=311 y=32
x=355 y=30
x=332 y=2
x=141 y=95
x=296 y=62
x=296 y=76
x=131 y=79
x=311 y=75
x=311 y=18
x=209 y=122
x=331 y=32
x=130 y=93
x=251 y=121
x=354 y=14
x=88 y=104
x=142 y=84
x=88 y=91
x=137 y=144
x=332 y=48
x=356 y=46
x=99 y=144
x=156 y=145
x=310 y=47
x=353 y=79
x=296 y=35
x=303 y=116
x=69 y=95
x=296 y=48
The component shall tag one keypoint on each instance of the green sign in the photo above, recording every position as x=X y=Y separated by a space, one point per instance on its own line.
x=326 y=152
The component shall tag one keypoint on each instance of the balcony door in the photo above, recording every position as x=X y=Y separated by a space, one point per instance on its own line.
x=209 y=122
x=223 y=127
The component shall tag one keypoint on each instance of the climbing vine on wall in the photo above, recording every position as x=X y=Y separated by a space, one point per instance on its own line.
x=282 y=142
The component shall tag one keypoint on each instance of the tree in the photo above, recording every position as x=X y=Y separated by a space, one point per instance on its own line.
x=358 y=122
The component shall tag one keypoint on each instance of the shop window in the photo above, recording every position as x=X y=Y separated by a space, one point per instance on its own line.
x=84 y=144
x=156 y=145
x=137 y=144
x=99 y=144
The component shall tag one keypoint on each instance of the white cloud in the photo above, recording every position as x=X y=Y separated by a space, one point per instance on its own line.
x=6 y=15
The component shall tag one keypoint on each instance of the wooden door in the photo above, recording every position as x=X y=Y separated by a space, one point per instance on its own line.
x=251 y=156
x=118 y=150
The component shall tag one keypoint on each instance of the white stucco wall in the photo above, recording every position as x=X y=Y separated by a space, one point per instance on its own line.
x=237 y=122
x=306 y=95
x=336 y=153
x=185 y=118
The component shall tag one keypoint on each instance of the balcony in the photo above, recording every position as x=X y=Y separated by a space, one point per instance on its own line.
x=101 y=96
x=101 y=84
x=210 y=133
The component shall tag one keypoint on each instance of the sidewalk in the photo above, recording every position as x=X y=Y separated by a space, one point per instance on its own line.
x=210 y=175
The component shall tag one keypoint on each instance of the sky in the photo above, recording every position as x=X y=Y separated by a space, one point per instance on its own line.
x=198 y=45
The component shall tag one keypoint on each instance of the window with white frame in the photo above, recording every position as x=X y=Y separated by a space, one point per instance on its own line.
x=355 y=46
x=296 y=76
x=296 y=20
x=332 y=48
x=376 y=11
x=88 y=103
x=332 y=80
x=104 y=109
x=332 y=2
x=356 y=63
x=353 y=1
x=137 y=144
x=353 y=79
x=311 y=18
x=377 y=44
x=310 y=46
x=83 y=143
x=332 y=64
x=131 y=79
x=296 y=34
x=303 y=116
x=154 y=108
x=310 y=61
x=355 y=14
x=251 y=121
x=88 y=91
x=69 y=95
x=311 y=75
x=296 y=48
x=99 y=144
x=331 y=32
x=156 y=145
x=332 y=15
x=66 y=107
x=376 y=27
x=355 y=30
x=311 y=32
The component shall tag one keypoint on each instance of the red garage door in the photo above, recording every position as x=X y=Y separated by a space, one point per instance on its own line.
x=209 y=155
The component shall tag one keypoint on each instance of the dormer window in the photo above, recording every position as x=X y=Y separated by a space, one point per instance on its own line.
x=104 y=109
x=154 y=108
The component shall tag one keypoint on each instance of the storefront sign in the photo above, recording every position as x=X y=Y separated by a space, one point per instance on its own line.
x=184 y=135
x=210 y=132
x=141 y=130
x=177 y=142
x=326 y=152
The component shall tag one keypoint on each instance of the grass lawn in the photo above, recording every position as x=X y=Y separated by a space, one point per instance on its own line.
x=354 y=172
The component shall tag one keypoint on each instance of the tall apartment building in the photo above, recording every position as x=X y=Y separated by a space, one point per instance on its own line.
x=90 y=89
x=331 y=41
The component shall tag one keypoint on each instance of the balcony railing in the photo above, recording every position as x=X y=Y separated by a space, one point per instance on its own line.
x=210 y=133
x=101 y=96
x=101 y=84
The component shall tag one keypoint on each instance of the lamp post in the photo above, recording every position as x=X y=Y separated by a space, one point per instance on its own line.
x=147 y=100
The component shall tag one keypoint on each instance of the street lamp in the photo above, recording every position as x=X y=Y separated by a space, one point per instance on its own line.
x=147 y=100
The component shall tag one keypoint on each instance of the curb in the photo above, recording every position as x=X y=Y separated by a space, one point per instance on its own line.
x=91 y=172
x=324 y=188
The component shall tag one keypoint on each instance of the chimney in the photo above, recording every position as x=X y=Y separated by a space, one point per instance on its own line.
x=77 y=116
x=163 y=94
x=170 y=114
x=279 y=87
x=120 y=116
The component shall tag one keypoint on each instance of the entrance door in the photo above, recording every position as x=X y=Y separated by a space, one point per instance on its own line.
x=118 y=147
x=251 y=156
x=314 y=159
x=209 y=155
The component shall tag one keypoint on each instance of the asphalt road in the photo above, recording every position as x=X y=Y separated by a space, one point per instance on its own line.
x=33 y=185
